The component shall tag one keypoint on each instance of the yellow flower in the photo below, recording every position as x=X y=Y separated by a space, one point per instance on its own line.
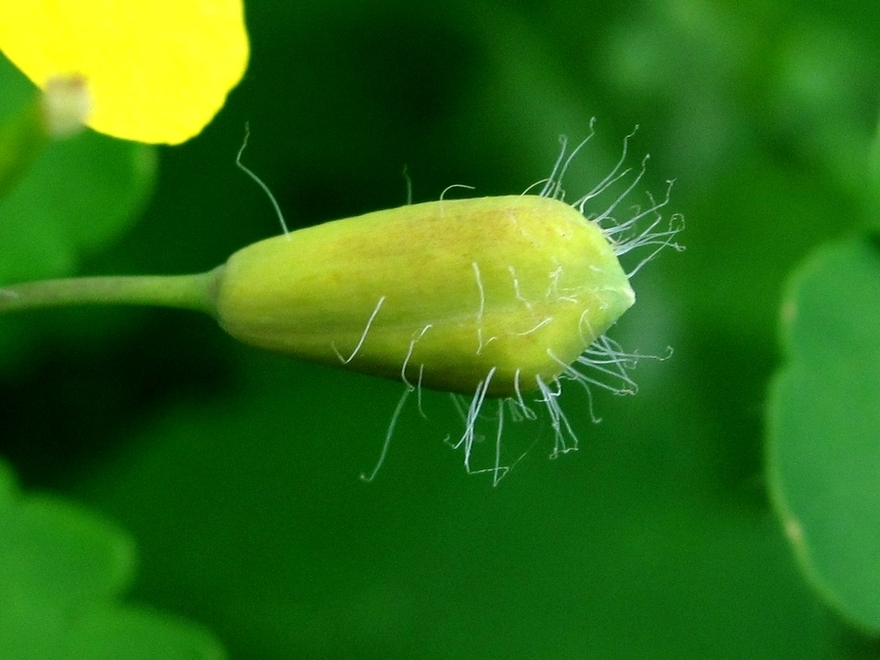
x=157 y=70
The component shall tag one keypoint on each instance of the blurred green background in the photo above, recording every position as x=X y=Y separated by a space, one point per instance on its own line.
x=236 y=472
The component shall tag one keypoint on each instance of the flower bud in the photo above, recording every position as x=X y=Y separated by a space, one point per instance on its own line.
x=452 y=294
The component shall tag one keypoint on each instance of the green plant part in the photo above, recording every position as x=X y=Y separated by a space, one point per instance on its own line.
x=517 y=288
x=823 y=426
x=61 y=200
x=63 y=571
x=57 y=113
x=496 y=297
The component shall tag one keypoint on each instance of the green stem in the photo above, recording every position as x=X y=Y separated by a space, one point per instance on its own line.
x=195 y=292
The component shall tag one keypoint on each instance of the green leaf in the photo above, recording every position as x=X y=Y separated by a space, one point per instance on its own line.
x=610 y=552
x=80 y=194
x=62 y=552
x=873 y=195
x=17 y=89
x=823 y=451
x=140 y=634
x=7 y=486
x=61 y=570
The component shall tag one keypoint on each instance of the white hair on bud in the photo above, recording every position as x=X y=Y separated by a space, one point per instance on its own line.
x=603 y=364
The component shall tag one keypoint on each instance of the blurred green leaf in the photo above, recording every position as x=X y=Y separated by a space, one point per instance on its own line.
x=22 y=138
x=61 y=568
x=874 y=177
x=17 y=89
x=140 y=634
x=80 y=194
x=62 y=553
x=600 y=554
x=823 y=449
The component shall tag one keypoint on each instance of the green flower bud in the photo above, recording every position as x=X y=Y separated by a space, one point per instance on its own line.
x=497 y=297
x=492 y=297
x=442 y=293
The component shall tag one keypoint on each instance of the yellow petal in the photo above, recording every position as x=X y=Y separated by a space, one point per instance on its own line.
x=158 y=70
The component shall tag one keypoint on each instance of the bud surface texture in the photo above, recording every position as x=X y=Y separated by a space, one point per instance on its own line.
x=440 y=294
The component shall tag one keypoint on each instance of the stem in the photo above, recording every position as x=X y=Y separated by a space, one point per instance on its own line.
x=195 y=292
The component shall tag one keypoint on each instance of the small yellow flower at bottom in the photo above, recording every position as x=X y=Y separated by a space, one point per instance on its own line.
x=440 y=293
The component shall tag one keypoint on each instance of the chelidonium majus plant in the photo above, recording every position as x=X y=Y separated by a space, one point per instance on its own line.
x=502 y=298
x=499 y=301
